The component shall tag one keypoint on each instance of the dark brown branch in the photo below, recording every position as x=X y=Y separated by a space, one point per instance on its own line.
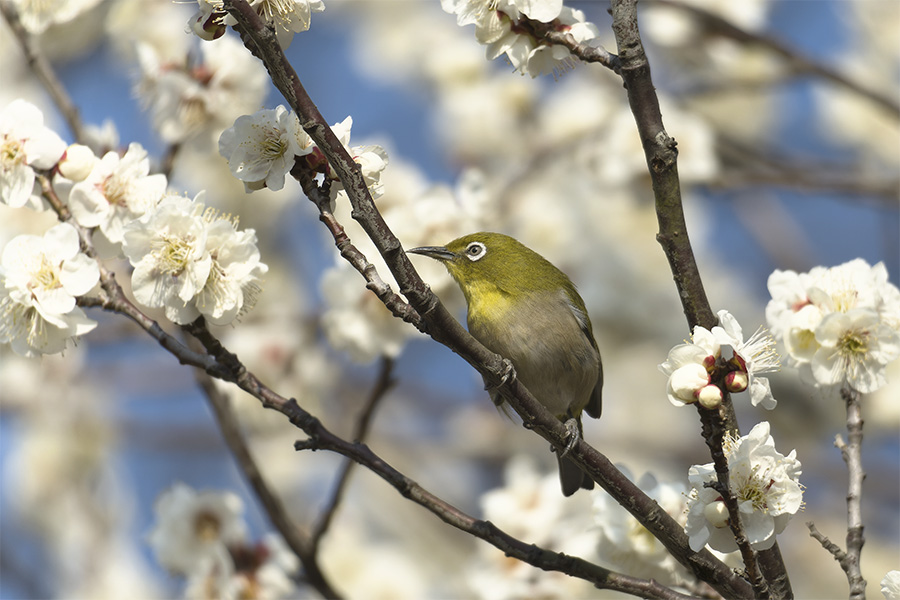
x=719 y=26
x=661 y=154
x=42 y=69
x=392 y=301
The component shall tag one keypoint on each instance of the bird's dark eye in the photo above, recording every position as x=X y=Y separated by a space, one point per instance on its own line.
x=475 y=250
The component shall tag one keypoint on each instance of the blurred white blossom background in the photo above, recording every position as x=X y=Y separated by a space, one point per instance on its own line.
x=109 y=449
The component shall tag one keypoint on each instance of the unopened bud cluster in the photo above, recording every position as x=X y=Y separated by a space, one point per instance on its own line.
x=700 y=372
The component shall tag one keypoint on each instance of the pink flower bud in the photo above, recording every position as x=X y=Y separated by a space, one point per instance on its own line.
x=737 y=381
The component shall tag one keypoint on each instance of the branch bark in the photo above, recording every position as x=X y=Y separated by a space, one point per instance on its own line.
x=851 y=452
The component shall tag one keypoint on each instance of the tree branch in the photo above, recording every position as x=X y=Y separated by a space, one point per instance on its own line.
x=320 y=438
x=552 y=34
x=851 y=452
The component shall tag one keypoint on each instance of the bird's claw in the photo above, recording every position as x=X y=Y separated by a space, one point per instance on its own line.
x=508 y=374
x=572 y=435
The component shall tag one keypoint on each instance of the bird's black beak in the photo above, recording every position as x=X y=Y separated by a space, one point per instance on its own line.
x=435 y=252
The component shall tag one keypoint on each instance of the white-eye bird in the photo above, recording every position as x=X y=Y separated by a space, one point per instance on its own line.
x=525 y=309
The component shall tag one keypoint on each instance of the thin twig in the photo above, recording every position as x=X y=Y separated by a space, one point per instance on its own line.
x=42 y=69
x=835 y=550
x=554 y=34
x=399 y=307
x=383 y=383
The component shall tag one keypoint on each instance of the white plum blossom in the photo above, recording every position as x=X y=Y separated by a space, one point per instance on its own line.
x=854 y=346
x=839 y=325
x=691 y=367
x=765 y=484
x=193 y=529
x=285 y=17
x=25 y=145
x=261 y=148
x=472 y=11
x=118 y=190
x=193 y=99
x=626 y=545
x=168 y=250
x=686 y=367
x=262 y=571
x=40 y=279
x=356 y=322
x=202 y=535
x=192 y=262
x=234 y=274
x=372 y=161
x=496 y=26
x=890 y=585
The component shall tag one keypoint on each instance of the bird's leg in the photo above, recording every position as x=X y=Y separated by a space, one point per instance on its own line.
x=572 y=434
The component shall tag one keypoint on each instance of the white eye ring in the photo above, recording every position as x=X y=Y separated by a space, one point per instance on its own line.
x=475 y=251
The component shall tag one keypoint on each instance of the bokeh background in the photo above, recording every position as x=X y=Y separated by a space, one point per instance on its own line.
x=781 y=167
